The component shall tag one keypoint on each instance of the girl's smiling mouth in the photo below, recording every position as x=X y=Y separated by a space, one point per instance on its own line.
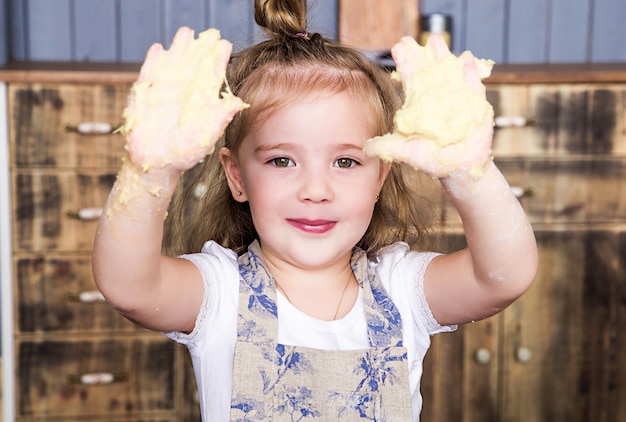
x=312 y=226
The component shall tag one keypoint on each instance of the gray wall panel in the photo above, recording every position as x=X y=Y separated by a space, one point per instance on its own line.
x=528 y=20
x=508 y=31
x=608 y=41
x=50 y=30
x=323 y=18
x=191 y=13
x=4 y=34
x=123 y=30
x=234 y=19
x=569 y=31
x=96 y=31
x=484 y=34
x=140 y=27
x=17 y=30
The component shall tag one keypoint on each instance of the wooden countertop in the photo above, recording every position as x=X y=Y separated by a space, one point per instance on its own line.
x=67 y=72
x=558 y=73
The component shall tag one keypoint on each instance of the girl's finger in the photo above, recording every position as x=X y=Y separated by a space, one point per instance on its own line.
x=183 y=37
x=148 y=68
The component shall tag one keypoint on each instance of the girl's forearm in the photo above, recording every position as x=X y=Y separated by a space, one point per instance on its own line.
x=127 y=250
x=500 y=238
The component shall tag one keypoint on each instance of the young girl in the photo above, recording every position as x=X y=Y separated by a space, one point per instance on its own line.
x=306 y=300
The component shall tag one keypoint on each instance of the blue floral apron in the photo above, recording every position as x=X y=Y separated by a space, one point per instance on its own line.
x=276 y=382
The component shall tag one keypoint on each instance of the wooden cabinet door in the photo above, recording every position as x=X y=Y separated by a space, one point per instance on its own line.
x=461 y=376
x=564 y=349
x=557 y=354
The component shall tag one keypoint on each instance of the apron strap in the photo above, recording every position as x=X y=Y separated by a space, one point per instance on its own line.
x=384 y=323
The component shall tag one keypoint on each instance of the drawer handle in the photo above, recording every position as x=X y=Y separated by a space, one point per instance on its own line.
x=97 y=378
x=482 y=356
x=521 y=192
x=90 y=296
x=523 y=355
x=91 y=128
x=515 y=121
x=85 y=214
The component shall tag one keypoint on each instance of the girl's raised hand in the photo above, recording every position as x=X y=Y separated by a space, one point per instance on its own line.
x=177 y=108
x=446 y=124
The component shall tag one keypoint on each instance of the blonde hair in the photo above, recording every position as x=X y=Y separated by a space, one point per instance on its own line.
x=289 y=64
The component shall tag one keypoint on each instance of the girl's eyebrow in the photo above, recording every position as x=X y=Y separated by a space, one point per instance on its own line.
x=290 y=146
x=349 y=146
x=272 y=147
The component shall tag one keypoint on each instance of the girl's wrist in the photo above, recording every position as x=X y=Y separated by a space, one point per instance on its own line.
x=489 y=190
x=468 y=176
x=154 y=179
x=138 y=191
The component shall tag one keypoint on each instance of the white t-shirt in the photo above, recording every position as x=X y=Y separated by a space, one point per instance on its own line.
x=212 y=342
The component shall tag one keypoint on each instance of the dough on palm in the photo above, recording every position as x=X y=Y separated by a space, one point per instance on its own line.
x=444 y=101
x=180 y=91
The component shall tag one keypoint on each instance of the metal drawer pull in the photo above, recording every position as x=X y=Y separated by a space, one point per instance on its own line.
x=523 y=355
x=97 y=378
x=521 y=192
x=90 y=296
x=85 y=214
x=482 y=356
x=91 y=128
x=515 y=121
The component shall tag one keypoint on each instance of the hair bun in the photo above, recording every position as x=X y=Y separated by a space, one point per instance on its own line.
x=281 y=17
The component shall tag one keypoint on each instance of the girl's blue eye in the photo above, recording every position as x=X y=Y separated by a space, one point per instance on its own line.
x=282 y=162
x=345 y=163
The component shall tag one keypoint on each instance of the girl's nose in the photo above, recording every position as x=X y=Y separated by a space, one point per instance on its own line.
x=316 y=186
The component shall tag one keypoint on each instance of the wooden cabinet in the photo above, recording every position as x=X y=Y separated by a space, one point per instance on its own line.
x=559 y=353
x=376 y=25
x=74 y=357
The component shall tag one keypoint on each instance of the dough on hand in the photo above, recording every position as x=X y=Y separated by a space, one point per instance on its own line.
x=180 y=91
x=444 y=98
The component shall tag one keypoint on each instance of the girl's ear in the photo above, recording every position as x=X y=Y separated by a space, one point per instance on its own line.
x=233 y=175
x=385 y=168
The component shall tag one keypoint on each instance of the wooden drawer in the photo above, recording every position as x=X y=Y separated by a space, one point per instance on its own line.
x=45 y=204
x=41 y=118
x=57 y=293
x=565 y=190
x=571 y=191
x=118 y=377
x=571 y=119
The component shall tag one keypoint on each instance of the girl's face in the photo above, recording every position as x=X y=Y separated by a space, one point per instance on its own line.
x=310 y=187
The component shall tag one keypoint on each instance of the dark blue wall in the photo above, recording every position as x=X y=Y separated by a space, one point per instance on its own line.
x=537 y=31
x=122 y=30
x=508 y=31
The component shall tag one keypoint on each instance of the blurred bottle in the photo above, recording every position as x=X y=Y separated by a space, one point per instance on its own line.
x=435 y=23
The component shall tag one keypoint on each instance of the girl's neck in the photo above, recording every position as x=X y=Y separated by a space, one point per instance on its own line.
x=345 y=302
x=327 y=293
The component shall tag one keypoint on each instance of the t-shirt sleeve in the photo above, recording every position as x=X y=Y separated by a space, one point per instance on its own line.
x=218 y=267
x=402 y=272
